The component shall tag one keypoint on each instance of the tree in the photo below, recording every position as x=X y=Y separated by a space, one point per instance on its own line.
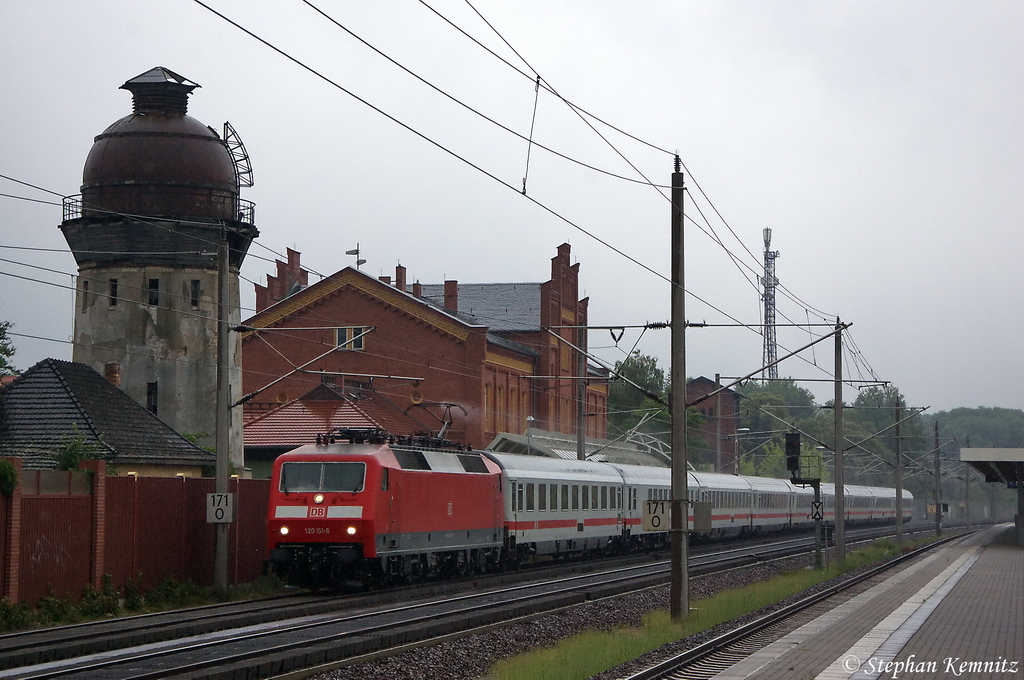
x=6 y=350
x=627 y=405
x=644 y=404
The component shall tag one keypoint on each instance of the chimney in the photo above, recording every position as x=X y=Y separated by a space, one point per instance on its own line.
x=385 y=279
x=417 y=289
x=451 y=296
x=400 y=278
x=112 y=372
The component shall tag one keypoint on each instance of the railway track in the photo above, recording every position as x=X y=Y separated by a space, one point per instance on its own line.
x=270 y=637
x=717 y=655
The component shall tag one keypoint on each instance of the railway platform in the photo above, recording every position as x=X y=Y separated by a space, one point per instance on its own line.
x=957 y=614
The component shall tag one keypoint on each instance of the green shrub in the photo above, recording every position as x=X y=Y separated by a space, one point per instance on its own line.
x=14 y=616
x=97 y=604
x=173 y=593
x=8 y=477
x=55 y=609
x=132 y=596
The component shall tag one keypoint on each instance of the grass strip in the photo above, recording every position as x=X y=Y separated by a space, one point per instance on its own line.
x=586 y=654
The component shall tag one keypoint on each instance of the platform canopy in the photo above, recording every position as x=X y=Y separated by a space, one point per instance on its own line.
x=998 y=465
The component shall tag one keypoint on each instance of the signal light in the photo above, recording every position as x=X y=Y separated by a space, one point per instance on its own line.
x=793 y=453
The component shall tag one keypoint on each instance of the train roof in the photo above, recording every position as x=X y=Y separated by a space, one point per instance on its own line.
x=554 y=468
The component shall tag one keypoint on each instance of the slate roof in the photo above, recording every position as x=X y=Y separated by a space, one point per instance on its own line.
x=56 y=400
x=322 y=409
x=500 y=306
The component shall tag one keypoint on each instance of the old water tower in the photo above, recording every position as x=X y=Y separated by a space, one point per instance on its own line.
x=160 y=191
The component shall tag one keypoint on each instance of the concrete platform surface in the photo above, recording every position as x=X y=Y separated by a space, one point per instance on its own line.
x=958 y=613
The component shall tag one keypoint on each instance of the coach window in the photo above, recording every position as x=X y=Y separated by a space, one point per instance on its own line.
x=604 y=497
x=575 y=497
x=554 y=497
x=519 y=495
x=586 y=497
x=593 y=494
x=542 y=496
x=529 y=497
x=565 y=497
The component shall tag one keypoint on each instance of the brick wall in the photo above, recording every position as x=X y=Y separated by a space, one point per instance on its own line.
x=56 y=538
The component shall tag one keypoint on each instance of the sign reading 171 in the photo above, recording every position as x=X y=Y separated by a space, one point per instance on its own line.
x=220 y=508
x=656 y=514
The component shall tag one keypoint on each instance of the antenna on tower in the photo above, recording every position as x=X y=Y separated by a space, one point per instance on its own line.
x=768 y=283
x=355 y=251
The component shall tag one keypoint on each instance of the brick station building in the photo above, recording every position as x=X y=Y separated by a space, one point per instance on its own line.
x=477 y=356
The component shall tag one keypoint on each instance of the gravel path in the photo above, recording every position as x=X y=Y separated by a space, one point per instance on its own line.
x=471 y=657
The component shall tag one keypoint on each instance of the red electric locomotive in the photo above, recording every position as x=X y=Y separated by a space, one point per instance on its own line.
x=373 y=513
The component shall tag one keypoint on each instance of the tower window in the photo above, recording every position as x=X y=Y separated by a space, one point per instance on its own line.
x=151 y=397
x=85 y=294
x=195 y=293
x=112 y=291
x=351 y=337
x=154 y=291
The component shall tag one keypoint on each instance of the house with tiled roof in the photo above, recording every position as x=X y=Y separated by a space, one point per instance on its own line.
x=55 y=402
x=481 y=357
x=277 y=428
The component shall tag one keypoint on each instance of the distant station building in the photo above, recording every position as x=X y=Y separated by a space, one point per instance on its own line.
x=160 y=190
x=719 y=416
x=470 y=360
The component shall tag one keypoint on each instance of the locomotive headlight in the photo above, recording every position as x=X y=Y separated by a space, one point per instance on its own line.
x=318 y=499
x=284 y=531
x=351 y=531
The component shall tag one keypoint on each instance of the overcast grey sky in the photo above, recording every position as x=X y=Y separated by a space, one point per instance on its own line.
x=881 y=141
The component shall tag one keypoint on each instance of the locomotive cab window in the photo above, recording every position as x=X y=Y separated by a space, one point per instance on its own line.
x=309 y=477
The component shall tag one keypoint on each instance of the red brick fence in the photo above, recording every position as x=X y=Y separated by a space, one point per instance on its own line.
x=62 y=530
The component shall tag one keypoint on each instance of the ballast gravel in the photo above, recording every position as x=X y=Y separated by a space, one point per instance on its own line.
x=471 y=657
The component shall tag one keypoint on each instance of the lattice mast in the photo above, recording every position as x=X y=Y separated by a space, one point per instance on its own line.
x=768 y=284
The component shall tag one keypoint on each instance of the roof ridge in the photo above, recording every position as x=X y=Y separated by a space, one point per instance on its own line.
x=55 y=365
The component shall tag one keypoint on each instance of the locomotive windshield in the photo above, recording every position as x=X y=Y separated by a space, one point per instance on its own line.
x=299 y=477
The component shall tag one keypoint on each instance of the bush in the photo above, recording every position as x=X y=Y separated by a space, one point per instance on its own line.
x=173 y=593
x=132 y=596
x=99 y=603
x=8 y=477
x=55 y=609
x=14 y=616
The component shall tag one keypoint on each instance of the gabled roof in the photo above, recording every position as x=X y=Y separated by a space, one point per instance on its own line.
x=55 y=401
x=322 y=409
x=416 y=307
x=500 y=306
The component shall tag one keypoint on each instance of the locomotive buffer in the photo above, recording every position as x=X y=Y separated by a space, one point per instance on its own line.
x=817 y=514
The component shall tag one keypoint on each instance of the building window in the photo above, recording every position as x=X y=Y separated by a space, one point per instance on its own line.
x=195 y=293
x=154 y=291
x=488 y=410
x=85 y=295
x=113 y=292
x=351 y=337
x=151 y=397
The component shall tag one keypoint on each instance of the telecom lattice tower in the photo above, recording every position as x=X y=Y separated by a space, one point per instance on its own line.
x=769 y=282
